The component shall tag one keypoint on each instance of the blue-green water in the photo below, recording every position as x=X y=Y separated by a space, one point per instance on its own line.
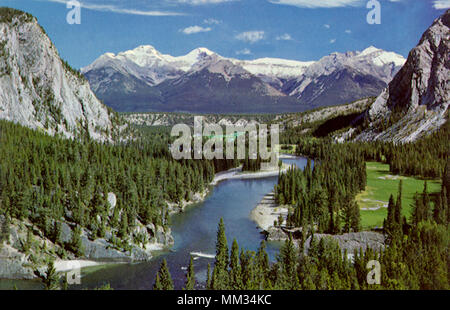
x=193 y=231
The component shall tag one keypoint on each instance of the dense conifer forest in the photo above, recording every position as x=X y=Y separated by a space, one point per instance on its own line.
x=46 y=180
x=416 y=255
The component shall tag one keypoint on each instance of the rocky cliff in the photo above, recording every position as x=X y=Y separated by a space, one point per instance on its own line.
x=416 y=101
x=39 y=90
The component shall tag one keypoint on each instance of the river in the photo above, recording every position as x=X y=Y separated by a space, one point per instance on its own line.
x=194 y=231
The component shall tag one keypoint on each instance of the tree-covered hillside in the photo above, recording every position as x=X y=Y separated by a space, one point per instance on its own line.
x=49 y=180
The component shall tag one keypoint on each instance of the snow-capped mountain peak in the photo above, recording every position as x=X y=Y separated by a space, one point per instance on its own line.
x=274 y=67
x=418 y=97
x=188 y=61
x=199 y=52
x=380 y=57
x=370 y=50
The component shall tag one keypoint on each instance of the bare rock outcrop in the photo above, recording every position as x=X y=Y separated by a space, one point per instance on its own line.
x=354 y=241
x=41 y=91
x=416 y=101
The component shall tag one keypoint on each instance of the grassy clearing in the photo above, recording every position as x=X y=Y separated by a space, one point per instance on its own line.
x=380 y=185
x=288 y=149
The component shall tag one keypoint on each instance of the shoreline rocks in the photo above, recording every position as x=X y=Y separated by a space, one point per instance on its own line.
x=18 y=263
x=354 y=241
x=267 y=211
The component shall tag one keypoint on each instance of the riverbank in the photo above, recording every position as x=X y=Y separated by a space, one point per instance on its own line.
x=69 y=265
x=175 y=208
x=14 y=264
x=267 y=212
x=237 y=173
x=18 y=262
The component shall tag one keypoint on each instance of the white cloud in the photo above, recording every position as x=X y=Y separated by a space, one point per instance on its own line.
x=284 y=37
x=348 y=31
x=441 y=4
x=327 y=26
x=332 y=41
x=245 y=51
x=120 y=10
x=194 y=29
x=319 y=3
x=212 y=21
x=203 y=2
x=251 y=36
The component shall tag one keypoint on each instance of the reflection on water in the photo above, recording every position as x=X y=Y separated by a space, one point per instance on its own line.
x=194 y=232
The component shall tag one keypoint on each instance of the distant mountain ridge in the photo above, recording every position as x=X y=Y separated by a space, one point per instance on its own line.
x=144 y=79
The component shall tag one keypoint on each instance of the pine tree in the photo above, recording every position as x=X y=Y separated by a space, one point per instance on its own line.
x=426 y=202
x=123 y=231
x=5 y=229
x=356 y=217
x=163 y=278
x=76 y=244
x=208 y=277
x=220 y=279
x=157 y=286
x=235 y=267
x=288 y=261
x=439 y=215
x=50 y=279
x=190 y=276
x=398 y=205
x=390 y=220
x=418 y=210
x=262 y=258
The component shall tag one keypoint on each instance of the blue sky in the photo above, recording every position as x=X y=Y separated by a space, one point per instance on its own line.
x=247 y=29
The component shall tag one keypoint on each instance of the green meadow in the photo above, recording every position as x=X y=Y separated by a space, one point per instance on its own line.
x=380 y=185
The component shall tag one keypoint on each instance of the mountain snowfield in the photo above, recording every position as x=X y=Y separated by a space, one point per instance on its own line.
x=152 y=78
x=39 y=91
x=145 y=60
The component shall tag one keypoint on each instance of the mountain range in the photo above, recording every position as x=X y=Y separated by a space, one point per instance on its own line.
x=41 y=91
x=145 y=80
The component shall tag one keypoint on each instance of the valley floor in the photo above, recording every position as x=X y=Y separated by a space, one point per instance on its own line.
x=373 y=202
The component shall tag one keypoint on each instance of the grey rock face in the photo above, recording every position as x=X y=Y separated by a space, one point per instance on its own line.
x=354 y=241
x=12 y=264
x=275 y=234
x=419 y=95
x=100 y=249
x=38 y=90
x=163 y=237
x=66 y=232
